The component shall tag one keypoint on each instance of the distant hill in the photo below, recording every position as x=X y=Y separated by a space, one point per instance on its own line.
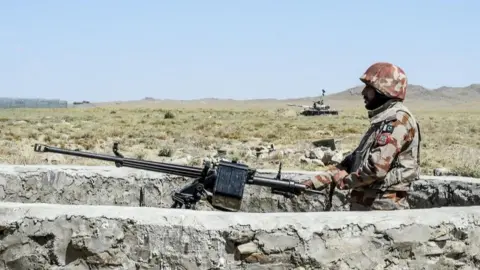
x=435 y=98
x=419 y=93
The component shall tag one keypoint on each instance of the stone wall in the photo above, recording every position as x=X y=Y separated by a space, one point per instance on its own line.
x=98 y=185
x=74 y=217
x=46 y=236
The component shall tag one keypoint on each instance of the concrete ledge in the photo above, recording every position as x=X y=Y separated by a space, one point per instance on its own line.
x=45 y=236
x=99 y=185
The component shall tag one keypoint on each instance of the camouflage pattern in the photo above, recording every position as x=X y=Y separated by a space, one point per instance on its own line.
x=386 y=78
x=384 y=164
x=388 y=156
x=324 y=178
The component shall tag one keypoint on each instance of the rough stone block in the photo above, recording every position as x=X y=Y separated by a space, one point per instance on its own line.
x=46 y=236
x=98 y=185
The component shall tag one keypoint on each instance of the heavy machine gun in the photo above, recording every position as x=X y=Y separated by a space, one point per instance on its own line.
x=222 y=183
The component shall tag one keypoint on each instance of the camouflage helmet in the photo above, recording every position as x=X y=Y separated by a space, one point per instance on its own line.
x=387 y=79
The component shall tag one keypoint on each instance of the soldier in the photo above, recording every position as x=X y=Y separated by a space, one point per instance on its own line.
x=379 y=171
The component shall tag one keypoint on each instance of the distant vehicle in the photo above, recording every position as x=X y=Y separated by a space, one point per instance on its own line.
x=318 y=108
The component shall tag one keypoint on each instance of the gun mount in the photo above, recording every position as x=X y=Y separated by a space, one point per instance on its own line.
x=221 y=183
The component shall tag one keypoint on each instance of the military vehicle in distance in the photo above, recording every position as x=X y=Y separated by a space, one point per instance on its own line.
x=318 y=108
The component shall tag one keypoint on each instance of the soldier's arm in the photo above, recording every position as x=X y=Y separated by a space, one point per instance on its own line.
x=384 y=150
x=333 y=173
x=324 y=178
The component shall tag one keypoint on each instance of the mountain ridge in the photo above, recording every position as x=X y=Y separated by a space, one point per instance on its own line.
x=413 y=90
x=415 y=93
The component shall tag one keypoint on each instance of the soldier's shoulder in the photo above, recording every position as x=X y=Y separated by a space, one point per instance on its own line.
x=403 y=118
x=400 y=126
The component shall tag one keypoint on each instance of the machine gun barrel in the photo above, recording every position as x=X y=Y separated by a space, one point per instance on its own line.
x=284 y=187
x=227 y=180
x=274 y=183
x=120 y=161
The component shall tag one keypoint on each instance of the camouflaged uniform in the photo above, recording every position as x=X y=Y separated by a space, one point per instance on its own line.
x=379 y=171
x=386 y=161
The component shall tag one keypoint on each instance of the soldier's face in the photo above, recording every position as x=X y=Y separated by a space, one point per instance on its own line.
x=368 y=94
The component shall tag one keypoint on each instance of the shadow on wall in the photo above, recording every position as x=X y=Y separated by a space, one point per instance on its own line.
x=98 y=185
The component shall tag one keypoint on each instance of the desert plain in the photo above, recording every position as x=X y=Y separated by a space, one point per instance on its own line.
x=191 y=131
x=62 y=217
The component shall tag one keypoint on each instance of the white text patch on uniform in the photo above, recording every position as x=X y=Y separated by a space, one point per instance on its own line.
x=387 y=128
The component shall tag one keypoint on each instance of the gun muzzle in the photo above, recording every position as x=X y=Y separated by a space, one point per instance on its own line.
x=40 y=148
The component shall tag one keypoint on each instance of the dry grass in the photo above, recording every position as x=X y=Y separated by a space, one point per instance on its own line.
x=450 y=137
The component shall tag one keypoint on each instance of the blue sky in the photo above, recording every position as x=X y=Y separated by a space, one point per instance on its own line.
x=123 y=50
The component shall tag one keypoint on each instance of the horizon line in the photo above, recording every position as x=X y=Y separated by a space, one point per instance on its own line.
x=232 y=99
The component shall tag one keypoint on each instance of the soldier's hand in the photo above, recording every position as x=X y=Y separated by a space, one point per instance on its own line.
x=339 y=175
x=318 y=182
x=339 y=179
x=308 y=183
